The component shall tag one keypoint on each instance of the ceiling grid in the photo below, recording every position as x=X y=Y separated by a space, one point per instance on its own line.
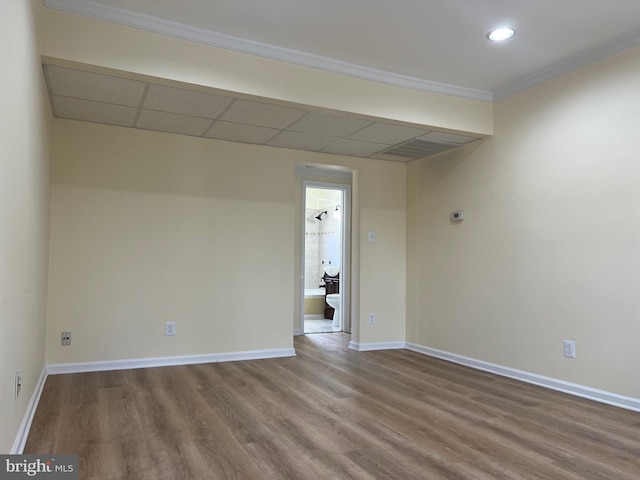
x=95 y=97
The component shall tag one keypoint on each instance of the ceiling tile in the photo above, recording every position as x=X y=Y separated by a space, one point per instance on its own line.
x=447 y=137
x=241 y=133
x=92 y=86
x=114 y=100
x=417 y=148
x=331 y=125
x=354 y=147
x=261 y=114
x=173 y=123
x=302 y=141
x=185 y=102
x=387 y=133
x=76 y=109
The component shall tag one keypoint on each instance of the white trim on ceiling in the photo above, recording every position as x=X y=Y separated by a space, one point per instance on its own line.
x=149 y=23
x=583 y=59
x=120 y=16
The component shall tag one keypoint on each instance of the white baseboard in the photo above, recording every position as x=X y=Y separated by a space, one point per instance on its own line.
x=61 y=368
x=601 y=396
x=25 y=426
x=297 y=332
x=368 y=347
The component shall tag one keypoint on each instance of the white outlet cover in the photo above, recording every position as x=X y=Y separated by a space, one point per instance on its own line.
x=169 y=329
x=372 y=237
x=570 y=348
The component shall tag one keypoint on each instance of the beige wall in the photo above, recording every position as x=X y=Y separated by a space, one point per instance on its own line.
x=382 y=263
x=150 y=227
x=549 y=248
x=24 y=213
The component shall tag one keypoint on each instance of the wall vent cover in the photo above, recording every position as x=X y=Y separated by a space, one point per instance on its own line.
x=417 y=148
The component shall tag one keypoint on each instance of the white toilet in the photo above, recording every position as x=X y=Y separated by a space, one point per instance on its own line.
x=333 y=299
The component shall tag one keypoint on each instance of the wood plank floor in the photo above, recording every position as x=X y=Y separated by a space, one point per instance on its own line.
x=330 y=413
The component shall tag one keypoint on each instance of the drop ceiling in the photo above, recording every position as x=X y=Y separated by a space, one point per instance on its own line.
x=80 y=94
x=430 y=45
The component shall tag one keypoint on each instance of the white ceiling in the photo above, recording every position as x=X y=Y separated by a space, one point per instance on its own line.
x=431 y=45
x=409 y=42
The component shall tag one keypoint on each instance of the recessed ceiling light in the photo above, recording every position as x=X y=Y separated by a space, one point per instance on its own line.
x=501 y=34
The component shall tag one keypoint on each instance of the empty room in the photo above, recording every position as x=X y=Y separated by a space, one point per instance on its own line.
x=268 y=240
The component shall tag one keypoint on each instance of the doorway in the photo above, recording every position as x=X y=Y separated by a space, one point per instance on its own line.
x=325 y=264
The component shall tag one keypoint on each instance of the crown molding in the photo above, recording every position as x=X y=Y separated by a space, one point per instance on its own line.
x=161 y=26
x=583 y=59
x=120 y=16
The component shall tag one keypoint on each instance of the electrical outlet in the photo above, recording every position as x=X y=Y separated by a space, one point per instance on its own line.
x=372 y=318
x=65 y=338
x=570 y=349
x=457 y=216
x=18 y=383
x=169 y=329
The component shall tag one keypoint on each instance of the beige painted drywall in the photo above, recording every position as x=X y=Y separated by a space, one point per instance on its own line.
x=549 y=247
x=79 y=39
x=149 y=227
x=383 y=262
x=378 y=276
x=24 y=213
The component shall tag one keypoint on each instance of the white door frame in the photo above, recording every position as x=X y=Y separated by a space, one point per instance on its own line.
x=345 y=260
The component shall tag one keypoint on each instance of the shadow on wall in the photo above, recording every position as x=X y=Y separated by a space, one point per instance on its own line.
x=435 y=169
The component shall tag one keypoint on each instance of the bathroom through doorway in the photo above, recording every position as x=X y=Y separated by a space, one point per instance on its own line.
x=325 y=257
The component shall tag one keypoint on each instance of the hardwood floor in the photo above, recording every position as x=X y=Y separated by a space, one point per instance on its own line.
x=330 y=413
